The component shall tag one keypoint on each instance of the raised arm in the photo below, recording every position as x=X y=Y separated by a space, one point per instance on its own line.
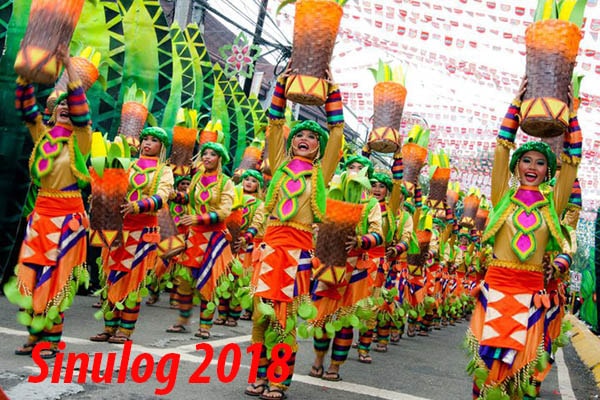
x=335 y=121
x=505 y=142
x=275 y=141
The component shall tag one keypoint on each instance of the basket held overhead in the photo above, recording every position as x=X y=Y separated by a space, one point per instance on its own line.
x=316 y=25
x=552 y=42
x=389 y=95
x=51 y=24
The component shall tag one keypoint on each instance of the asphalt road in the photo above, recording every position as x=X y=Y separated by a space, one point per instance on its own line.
x=166 y=365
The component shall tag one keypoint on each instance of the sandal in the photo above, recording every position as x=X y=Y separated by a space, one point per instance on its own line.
x=332 y=376
x=177 y=328
x=202 y=333
x=365 y=358
x=411 y=332
x=246 y=316
x=219 y=321
x=395 y=338
x=231 y=322
x=119 y=338
x=152 y=300
x=97 y=304
x=49 y=353
x=256 y=389
x=381 y=348
x=101 y=337
x=25 y=350
x=316 y=372
x=281 y=394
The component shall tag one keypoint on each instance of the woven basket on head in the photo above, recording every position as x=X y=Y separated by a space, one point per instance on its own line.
x=208 y=136
x=552 y=47
x=316 y=25
x=51 y=23
x=108 y=194
x=133 y=119
x=413 y=158
x=182 y=149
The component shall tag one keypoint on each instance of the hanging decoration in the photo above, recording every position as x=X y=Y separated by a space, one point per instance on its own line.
x=240 y=57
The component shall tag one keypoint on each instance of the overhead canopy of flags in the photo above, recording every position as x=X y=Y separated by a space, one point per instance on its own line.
x=464 y=60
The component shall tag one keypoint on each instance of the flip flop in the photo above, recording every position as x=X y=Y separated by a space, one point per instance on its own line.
x=177 y=328
x=202 y=334
x=333 y=376
x=316 y=372
x=261 y=386
x=264 y=396
x=25 y=350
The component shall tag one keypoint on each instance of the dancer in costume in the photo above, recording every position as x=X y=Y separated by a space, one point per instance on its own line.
x=162 y=272
x=507 y=326
x=295 y=201
x=208 y=254
x=251 y=217
x=253 y=224
x=126 y=265
x=54 y=248
x=336 y=302
x=397 y=228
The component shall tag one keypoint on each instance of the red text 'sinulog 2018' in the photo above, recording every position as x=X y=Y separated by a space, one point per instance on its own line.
x=140 y=368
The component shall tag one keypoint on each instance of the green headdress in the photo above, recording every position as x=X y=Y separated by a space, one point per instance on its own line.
x=382 y=178
x=364 y=161
x=540 y=147
x=179 y=178
x=310 y=126
x=256 y=175
x=156 y=132
x=217 y=148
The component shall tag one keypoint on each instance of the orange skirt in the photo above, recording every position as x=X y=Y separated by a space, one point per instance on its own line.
x=507 y=325
x=126 y=265
x=357 y=285
x=55 y=242
x=284 y=269
x=208 y=255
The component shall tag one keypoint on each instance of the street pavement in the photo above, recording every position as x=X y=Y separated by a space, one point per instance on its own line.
x=161 y=365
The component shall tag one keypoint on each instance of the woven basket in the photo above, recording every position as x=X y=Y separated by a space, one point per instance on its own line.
x=340 y=222
x=556 y=143
x=481 y=219
x=552 y=47
x=388 y=103
x=316 y=25
x=133 y=119
x=87 y=72
x=234 y=224
x=208 y=136
x=438 y=185
x=51 y=23
x=451 y=199
x=171 y=242
x=413 y=158
x=108 y=194
x=182 y=149
x=470 y=207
